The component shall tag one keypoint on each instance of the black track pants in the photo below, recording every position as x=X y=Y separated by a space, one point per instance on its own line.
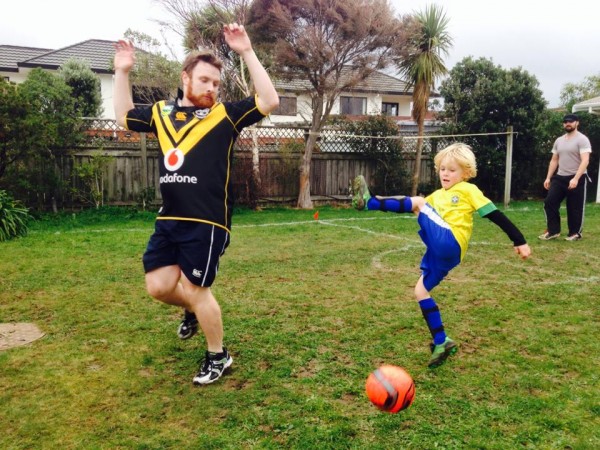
x=559 y=190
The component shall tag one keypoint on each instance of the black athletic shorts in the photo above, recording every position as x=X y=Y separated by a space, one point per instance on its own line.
x=193 y=246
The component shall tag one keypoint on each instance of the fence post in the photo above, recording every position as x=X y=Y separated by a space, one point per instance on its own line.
x=144 y=156
x=508 y=169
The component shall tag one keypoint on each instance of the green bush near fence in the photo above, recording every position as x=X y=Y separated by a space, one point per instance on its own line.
x=14 y=217
x=375 y=137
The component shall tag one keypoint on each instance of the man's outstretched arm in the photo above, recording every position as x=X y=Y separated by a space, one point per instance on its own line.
x=123 y=62
x=238 y=40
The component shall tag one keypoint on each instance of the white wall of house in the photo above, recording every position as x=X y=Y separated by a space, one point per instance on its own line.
x=303 y=105
x=106 y=88
x=374 y=106
x=303 y=112
x=14 y=77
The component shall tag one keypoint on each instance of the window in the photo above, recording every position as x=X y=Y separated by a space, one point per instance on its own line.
x=389 y=109
x=287 y=106
x=353 y=106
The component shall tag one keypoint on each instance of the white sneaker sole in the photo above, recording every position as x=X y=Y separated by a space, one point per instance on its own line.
x=200 y=381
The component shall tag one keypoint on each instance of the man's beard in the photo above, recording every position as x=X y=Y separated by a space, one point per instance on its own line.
x=200 y=101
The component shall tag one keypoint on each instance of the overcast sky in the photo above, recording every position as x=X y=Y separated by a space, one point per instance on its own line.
x=556 y=41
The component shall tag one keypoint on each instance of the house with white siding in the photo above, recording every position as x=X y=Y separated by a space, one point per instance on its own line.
x=16 y=63
x=380 y=93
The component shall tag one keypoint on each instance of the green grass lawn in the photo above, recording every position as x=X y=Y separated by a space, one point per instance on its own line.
x=310 y=309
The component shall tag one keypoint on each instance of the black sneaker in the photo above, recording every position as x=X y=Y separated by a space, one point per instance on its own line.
x=212 y=368
x=188 y=326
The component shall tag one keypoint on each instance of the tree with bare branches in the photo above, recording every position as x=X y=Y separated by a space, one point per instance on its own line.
x=155 y=75
x=333 y=44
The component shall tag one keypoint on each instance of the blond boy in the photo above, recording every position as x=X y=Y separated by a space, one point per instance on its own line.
x=446 y=221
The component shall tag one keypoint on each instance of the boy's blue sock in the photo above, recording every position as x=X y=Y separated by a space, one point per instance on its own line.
x=432 y=316
x=390 y=204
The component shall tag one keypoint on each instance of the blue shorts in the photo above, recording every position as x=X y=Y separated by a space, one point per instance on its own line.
x=193 y=246
x=443 y=250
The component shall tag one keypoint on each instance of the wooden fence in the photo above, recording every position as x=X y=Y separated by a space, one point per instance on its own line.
x=129 y=175
x=132 y=172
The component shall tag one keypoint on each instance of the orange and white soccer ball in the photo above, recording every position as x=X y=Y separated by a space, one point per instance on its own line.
x=390 y=388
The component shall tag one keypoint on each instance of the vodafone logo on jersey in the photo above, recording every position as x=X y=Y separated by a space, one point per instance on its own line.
x=174 y=159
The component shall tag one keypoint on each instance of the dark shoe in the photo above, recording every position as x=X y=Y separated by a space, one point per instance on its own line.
x=360 y=193
x=573 y=237
x=212 y=369
x=188 y=326
x=548 y=237
x=441 y=352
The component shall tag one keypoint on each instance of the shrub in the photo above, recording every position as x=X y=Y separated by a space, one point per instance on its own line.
x=372 y=139
x=91 y=179
x=13 y=217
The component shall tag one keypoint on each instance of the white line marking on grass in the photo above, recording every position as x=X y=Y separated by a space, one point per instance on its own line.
x=377 y=263
x=569 y=280
x=334 y=223
x=274 y=224
x=150 y=228
x=317 y=222
x=366 y=230
x=105 y=230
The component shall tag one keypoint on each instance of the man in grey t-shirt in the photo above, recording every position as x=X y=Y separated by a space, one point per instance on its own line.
x=570 y=155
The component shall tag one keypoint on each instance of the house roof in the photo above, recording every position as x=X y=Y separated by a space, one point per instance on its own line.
x=378 y=82
x=592 y=106
x=10 y=55
x=99 y=53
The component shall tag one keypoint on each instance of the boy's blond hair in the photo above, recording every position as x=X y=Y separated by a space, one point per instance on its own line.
x=462 y=154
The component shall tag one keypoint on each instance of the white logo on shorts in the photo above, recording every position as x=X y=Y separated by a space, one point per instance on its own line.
x=197 y=273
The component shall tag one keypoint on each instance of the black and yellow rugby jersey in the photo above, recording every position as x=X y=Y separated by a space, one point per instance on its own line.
x=197 y=152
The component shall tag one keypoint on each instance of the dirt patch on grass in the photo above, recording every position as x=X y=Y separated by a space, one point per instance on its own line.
x=17 y=334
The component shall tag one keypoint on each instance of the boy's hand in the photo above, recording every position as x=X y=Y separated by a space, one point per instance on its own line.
x=523 y=251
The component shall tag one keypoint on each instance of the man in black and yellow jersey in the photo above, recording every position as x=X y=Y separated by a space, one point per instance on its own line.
x=196 y=134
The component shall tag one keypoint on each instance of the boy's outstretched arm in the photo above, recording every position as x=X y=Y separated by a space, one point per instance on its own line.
x=511 y=230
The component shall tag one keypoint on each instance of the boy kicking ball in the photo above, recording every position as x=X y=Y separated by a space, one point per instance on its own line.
x=446 y=221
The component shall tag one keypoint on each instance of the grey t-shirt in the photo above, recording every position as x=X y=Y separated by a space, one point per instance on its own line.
x=569 y=151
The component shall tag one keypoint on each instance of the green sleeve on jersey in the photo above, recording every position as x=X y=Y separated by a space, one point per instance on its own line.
x=486 y=209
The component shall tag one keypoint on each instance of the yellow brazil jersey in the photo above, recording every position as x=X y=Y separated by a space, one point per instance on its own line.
x=457 y=205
